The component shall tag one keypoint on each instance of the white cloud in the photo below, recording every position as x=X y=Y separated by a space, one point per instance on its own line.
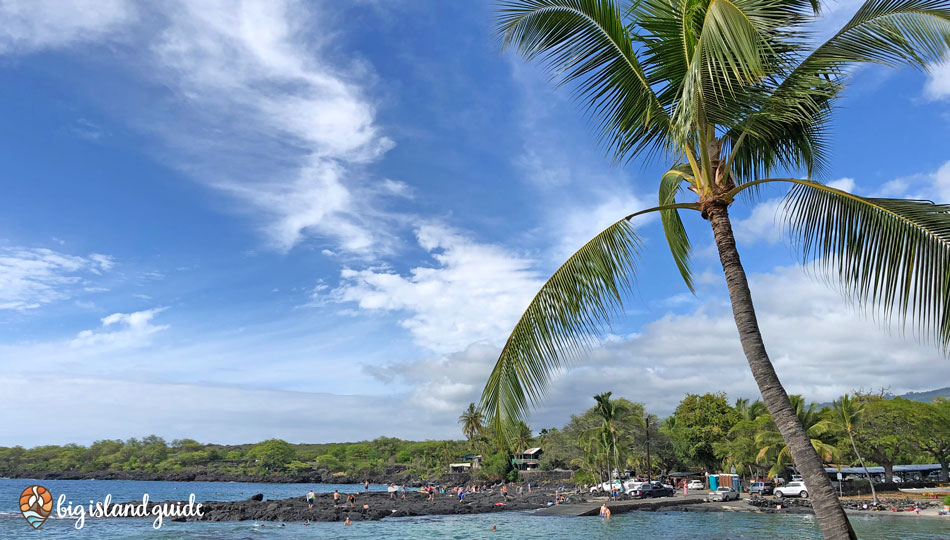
x=821 y=348
x=938 y=82
x=41 y=24
x=844 y=184
x=764 y=224
x=251 y=106
x=31 y=277
x=121 y=330
x=933 y=186
x=474 y=292
x=575 y=224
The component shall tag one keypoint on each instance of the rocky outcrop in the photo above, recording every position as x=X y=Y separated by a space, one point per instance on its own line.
x=369 y=506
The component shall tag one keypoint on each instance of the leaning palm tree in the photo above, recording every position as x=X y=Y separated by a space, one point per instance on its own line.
x=733 y=96
x=846 y=413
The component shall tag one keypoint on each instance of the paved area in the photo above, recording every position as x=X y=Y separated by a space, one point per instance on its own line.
x=619 y=507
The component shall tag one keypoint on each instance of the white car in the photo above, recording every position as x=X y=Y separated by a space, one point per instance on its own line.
x=724 y=493
x=793 y=489
x=696 y=484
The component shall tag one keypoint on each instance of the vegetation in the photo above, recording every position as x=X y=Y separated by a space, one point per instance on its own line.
x=705 y=433
x=732 y=96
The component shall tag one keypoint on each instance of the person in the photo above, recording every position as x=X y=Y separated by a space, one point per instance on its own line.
x=348 y=521
x=404 y=491
x=606 y=512
x=521 y=491
x=529 y=487
x=461 y=494
x=493 y=528
x=336 y=498
x=392 y=490
x=603 y=510
x=366 y=485
x=504 y=491
x=351 y=500
x=917 y=509
x=311 y=496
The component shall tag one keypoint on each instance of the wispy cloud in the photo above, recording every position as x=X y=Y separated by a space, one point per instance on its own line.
x=251 y=104
x=121 y=330
x=32 y=277
x=41 y=24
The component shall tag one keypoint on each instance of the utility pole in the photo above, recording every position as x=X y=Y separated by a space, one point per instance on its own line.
x=649 y=469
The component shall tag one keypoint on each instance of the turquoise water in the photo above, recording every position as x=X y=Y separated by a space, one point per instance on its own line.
x=526 y=525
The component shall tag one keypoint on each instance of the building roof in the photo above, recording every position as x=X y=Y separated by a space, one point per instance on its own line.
x=880 y=470
x=530 y=451
x=460 y=464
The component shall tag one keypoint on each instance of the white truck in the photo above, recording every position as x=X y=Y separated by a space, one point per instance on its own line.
x=724 y=493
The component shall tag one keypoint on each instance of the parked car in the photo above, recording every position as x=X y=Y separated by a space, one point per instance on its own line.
x=607 y=487
x=724 y=493
x=762 y=488
x=696 y=484
x=649 y=490
x=793 y=489
x=631 y=485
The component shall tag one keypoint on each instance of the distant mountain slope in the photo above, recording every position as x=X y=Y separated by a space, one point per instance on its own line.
x=927 y=397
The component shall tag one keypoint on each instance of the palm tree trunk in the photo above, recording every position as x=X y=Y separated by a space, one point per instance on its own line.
x=866 y=472
x=834 y=522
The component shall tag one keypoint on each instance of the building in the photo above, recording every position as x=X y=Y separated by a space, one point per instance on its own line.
x=528 y=460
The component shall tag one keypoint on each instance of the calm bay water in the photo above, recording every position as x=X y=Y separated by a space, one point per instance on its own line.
x=666 y=525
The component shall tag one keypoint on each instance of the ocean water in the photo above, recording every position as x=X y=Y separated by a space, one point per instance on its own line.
x=521 y=525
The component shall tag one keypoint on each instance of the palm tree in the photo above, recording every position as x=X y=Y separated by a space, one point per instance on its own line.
x=772 y=446
x=609 y=412
x=472 y=423
x=847 y=413
x=730 y=93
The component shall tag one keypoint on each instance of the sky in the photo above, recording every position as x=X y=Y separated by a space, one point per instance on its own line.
x=319 y=221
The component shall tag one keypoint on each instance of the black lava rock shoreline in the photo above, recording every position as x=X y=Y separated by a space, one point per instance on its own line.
x=370 y=506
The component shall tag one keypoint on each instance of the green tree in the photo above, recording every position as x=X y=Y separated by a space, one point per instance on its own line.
x=846 y=414
x=930 y=423
x=700 y=422
x=273 y=454
x=730 y=93
x=612 y=414
x=883 y=435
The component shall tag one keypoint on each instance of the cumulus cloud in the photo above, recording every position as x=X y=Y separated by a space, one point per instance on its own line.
x=763 y=225
x=251 y=106
x=933 y=186
x=121 y=330
x=938 y=82
x=820 y=346
x=473 y=292
x=32 y=277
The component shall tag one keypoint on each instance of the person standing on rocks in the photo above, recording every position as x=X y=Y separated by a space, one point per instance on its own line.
x=504 y=491
x=311 y=496
x=336 y=498
x=351 y=500
x=366 y=485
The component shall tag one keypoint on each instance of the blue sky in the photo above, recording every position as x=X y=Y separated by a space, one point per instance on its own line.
x=240 y=220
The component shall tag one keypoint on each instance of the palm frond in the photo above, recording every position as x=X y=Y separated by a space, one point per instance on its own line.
x=889 y=254
x=676 y=237
x=787 y=129
x=563 y=318
x=586 y=43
